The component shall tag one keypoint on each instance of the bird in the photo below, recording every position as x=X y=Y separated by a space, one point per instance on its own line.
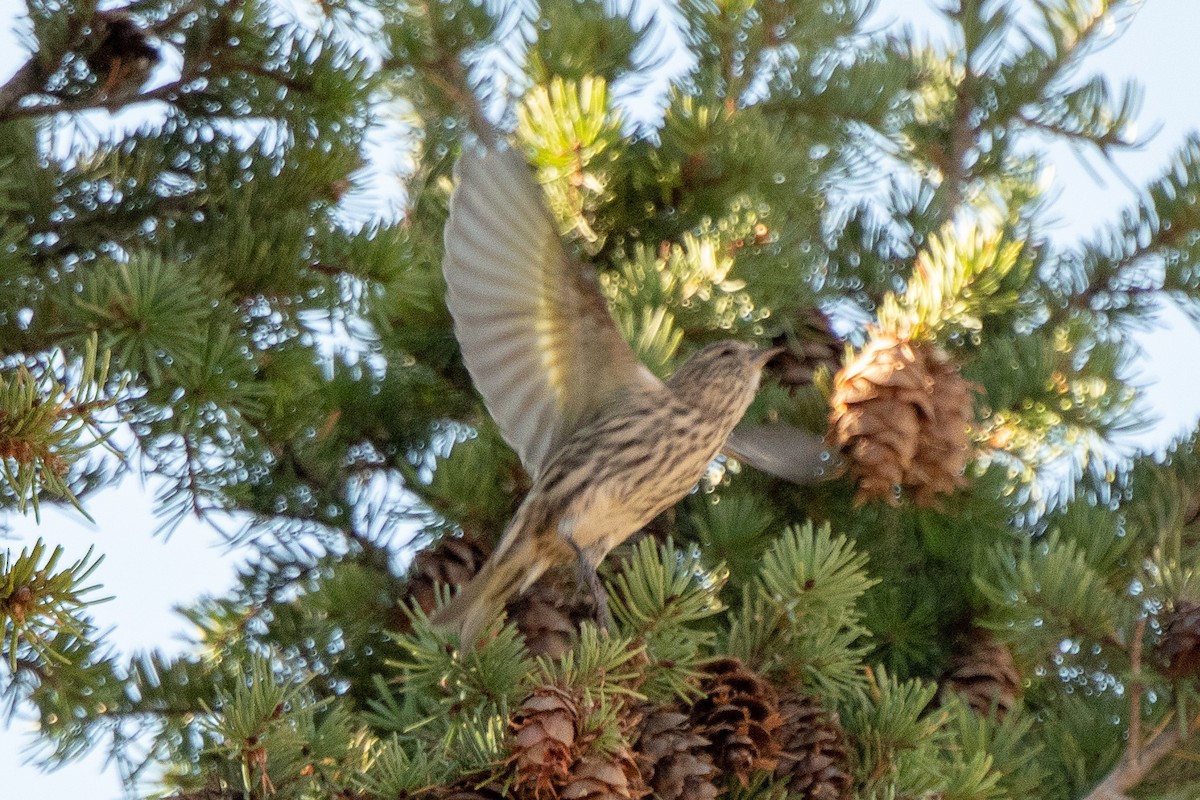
x=607 y=444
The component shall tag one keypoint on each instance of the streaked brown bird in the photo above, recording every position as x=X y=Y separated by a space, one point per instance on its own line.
x=607 y=444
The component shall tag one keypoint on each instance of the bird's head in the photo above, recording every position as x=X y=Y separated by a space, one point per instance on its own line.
x=722 y=377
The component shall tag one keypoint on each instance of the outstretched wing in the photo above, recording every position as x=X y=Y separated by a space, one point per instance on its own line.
x=535 y=332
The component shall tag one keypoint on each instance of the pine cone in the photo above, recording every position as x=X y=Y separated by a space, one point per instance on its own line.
x=813 y=756
x=984 y=673
x=673 y=758
x=901 y=416
x=452 y=561
x=123 y=56
x=549 y=614
x=739 y=716
x=545 y=727
x=945 y=446
x=611 y=776
x=814 y=346
x=1179 y=648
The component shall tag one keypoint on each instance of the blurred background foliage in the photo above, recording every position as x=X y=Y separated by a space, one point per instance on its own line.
x=230 y=298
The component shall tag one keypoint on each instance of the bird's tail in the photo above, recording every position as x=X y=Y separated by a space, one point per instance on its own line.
x=509 y=570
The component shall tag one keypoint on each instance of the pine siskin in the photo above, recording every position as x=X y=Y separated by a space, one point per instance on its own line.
x=608 y=444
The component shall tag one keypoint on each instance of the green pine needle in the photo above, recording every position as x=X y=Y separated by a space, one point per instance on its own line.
x=813 y=574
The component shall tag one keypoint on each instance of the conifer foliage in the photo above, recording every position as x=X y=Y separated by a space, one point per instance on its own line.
x=984 y=598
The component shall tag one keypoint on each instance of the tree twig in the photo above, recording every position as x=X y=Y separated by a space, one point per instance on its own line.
x=963 y=135
x=1135 y=690
x=450 y=78
x=1137 y=762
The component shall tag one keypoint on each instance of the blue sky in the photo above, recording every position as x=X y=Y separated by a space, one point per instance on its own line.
x=148 y=576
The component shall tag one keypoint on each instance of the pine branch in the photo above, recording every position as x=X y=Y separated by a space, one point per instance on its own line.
x=1104 y=143
x=210 y=252
x=1069 y=50
x=1139 y=759
x=448 y=75
x=963 y=133
x=27 y=80
x=111 y=103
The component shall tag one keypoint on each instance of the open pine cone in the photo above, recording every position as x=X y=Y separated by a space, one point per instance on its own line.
x=985 y=674
x=452 y=561
x=608 y=776
x=814 y=756
x=814 y=346
x=549 y=614
x=738 y=715
x=123 y=56
x=673 y=758
x=545 y=729
x=901 y=416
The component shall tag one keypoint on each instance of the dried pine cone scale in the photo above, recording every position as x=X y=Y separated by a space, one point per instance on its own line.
x=815 y=346
x=549 y=614
x=452 y=561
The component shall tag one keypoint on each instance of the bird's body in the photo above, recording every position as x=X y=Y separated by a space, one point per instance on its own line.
x=642 y=454
x=609 y=445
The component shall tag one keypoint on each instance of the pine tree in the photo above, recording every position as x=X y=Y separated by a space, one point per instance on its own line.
x=985 y=598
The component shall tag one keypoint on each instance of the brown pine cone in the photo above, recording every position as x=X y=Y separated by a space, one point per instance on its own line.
x=985 y=674
x=1179 y=648
x=610 y=776
x=945 y=446
x=814 y=346
x=814 y=757
x=122 y=57
x=550 y=613
x=452 y=561
x=673 y=758
x=544 y=736
x=900 y=415
x=739 y=716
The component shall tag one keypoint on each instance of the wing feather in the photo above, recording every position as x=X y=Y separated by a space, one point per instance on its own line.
x=783 y=451
x=534 y=329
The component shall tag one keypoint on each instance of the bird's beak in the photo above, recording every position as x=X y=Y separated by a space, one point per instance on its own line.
x=767 y=355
